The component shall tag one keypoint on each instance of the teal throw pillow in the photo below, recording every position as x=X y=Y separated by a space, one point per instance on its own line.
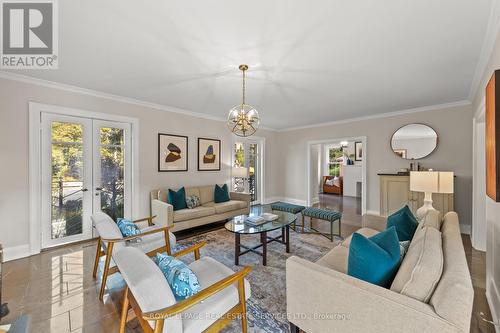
x=375 y=259
x=405 y=223
x=177 y=198
x=180 y=277
x=127 y=227
x=221 y=193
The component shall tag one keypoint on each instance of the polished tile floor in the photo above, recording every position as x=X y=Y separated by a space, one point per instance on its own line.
x=57 y=290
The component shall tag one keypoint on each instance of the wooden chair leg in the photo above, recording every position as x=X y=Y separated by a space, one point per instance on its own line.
x=123 y=320
x=167 y=243
x=106 y=270
x=97 y=256
x=241 y=293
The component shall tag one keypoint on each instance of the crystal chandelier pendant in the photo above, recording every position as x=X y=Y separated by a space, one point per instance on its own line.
x=243 y=120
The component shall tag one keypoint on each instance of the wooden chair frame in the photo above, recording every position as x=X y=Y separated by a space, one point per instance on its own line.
x=100 y=251
x=159 y=316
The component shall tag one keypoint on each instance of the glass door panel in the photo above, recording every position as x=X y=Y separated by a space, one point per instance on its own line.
x=252 y=170
x=110 y=171
x=247 y=154
x=65 y=169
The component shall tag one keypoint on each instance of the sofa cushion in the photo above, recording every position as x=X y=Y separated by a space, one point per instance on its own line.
x=206 y=193
x=422 y=266
x=224 y=207
x=192 y=191
x=405 y=223
x=163 y=195
x=375 y=259
x=221 y=193
x=335 y=259
x=367 y=232
x=432 y=219
x=189 y=214
x=177 y=198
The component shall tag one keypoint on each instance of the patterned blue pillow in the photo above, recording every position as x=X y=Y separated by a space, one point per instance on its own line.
x=127 y=227
x=180 y=277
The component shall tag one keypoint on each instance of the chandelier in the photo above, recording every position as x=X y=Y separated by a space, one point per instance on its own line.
x=243 y=119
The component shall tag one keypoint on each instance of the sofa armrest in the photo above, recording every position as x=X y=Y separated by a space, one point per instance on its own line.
x=164 y=213
x=320 y=299
x=242 y=196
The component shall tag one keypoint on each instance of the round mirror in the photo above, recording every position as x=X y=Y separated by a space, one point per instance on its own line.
x=414 y=141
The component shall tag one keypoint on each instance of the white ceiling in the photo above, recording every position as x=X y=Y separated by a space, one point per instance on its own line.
x=310 y=61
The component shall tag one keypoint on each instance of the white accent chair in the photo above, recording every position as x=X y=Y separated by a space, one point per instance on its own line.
x=151 y=240
x=222 y=298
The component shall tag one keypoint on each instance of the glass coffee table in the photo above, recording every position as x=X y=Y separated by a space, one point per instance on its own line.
x=238 y=226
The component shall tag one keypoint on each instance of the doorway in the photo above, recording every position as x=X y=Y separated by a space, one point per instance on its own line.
x=85 y=166
x=248 y=153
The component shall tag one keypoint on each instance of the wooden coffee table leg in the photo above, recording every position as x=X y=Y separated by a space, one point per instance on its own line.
x=263 y=240
x=287 y=232
x=236 y=248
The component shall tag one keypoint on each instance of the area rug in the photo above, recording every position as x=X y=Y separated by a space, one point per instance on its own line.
x=267 y=304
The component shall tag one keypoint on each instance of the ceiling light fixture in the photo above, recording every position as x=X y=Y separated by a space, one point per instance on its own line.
x=243 y=119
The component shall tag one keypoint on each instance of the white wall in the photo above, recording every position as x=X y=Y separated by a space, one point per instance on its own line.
x=454 y=153
x=14 y=99
x=492 y=208
x=315 y=171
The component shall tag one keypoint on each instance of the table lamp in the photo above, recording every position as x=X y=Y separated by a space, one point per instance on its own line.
x=430 y=182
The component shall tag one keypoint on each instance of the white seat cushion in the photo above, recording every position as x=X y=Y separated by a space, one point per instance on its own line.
x=201 y=316
x=152 y=242
x=336 y=259
x=189 y=214
x=367 y=232
x=224 y=207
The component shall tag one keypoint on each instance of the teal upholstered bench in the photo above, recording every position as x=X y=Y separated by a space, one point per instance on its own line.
x=287 y=207
x=323 y=214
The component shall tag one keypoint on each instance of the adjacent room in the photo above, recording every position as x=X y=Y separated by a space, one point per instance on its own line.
x=226 y=166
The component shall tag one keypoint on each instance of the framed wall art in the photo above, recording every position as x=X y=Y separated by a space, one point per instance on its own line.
x=172 y=152
x=209 y=154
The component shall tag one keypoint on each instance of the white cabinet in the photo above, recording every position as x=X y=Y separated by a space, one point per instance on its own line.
x=395 y=193
x=352 y=180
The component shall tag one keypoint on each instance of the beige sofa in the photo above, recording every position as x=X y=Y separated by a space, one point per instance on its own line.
x=208 y=212
x=432 y=290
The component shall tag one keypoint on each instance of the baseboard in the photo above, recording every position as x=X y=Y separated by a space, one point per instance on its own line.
x=465 y=229
x=373 y=212
x=271 y=200
x=295 y=201
x=493 y=299
x=16 y=252
x=315 y=200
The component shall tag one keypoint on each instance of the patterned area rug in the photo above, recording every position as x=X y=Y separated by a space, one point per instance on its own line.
x=267 y=304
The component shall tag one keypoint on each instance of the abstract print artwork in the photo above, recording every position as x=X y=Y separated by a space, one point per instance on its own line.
x=208 y=154
x=172 y=152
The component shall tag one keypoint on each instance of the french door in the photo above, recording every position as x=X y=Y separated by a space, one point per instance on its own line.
x=85 y=169
x=248 y=154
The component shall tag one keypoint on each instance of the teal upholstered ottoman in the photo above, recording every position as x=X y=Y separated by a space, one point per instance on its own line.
x=323 y=214
x=287 y=207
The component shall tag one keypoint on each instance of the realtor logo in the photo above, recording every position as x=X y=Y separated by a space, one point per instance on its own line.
x=29 y=34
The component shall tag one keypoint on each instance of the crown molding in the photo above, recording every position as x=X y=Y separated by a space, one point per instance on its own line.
x=113 y=97
x=129 y=100
x=489 y=40
x=382 y=115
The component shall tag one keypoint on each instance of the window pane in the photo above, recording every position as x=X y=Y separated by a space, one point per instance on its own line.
x=111 y=136
x=239 y=155
x=67 y=183
x=112 y=181
x=66 y=132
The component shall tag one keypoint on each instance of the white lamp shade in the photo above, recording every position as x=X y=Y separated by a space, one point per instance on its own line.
x=240 y=172
x=445 y=182
x=424 y=181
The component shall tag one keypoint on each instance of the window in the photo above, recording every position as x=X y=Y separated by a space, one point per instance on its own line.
x=335 y=159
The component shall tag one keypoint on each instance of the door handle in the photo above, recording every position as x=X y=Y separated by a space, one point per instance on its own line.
x=98 y=189
x=85 y=190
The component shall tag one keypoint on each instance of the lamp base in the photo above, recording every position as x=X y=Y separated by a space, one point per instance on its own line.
x=422 y=211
